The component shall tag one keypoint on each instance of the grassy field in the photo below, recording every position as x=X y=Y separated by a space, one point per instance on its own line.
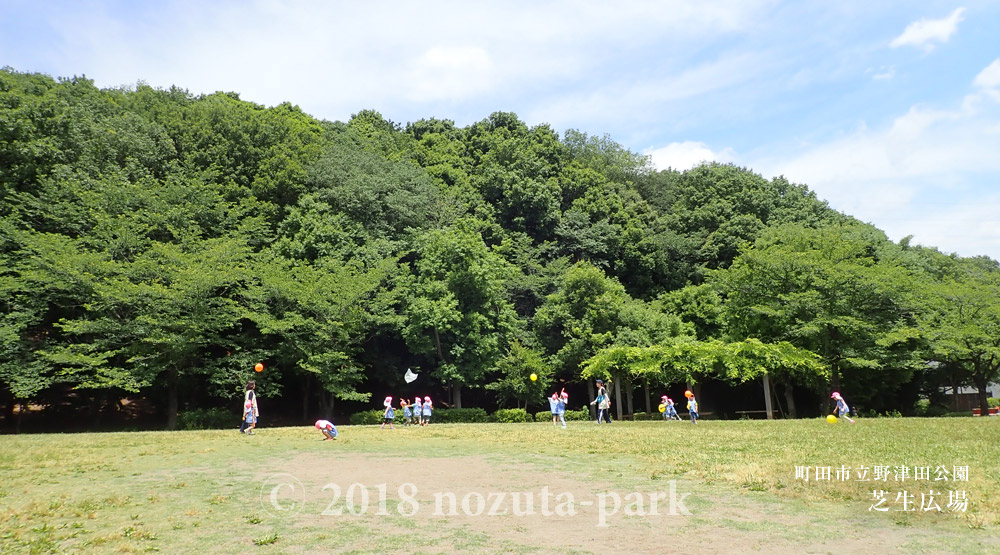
x=739 y=486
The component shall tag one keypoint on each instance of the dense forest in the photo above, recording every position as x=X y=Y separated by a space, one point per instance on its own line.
x=155 y=245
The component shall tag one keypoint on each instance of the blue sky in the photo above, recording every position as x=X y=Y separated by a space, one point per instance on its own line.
x=888 y=110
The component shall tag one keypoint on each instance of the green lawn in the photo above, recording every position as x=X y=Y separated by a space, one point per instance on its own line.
x=211 y=491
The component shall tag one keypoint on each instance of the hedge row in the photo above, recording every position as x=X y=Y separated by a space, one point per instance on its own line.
x=474 y=415
x=439 y=416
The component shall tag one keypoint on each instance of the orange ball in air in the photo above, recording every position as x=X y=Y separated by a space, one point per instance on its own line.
x=259 y=367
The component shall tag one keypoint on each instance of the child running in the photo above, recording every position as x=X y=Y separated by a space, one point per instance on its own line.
x=671 y=412
x=554 y=408
x=561 y=407
x=692 y=406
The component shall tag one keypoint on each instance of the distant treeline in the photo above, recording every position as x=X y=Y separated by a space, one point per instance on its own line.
x=155 y=245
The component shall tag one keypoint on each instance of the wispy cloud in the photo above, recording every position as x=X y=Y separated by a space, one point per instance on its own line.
x=923 y=174
x=884 y=74
x=924 y=33
x=657 y=97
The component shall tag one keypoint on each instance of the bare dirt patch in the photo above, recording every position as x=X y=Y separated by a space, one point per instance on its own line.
x=479 y=503
x=524 y=505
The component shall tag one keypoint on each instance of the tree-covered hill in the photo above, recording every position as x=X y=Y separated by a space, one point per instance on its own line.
x=155 y=244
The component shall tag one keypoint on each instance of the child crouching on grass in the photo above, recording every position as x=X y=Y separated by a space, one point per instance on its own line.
x=328 y=429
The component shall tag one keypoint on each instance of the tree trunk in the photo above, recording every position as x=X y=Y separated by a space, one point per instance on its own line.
x=326 y=405
x=8 y=407
x=645 y=388
x=777 y=400
x=834 y=377
x=790 y=400
x=20 y=416
x=456 y=391
x=437 y=345
x=618 y=397
x=629 y=390
x=834 y=384
x=96 y=407
x=767 y=398
x=591 y=394
x=305 y=398
x=982 y=384
x=172 y=395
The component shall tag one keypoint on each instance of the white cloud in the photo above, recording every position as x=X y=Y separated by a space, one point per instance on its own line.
x=968 y=226
x=924 y=33
x=989 y=78
x=335 y=58
x=450 y=73
x=685 y=155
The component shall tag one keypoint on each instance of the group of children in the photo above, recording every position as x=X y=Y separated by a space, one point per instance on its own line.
x=557 y=404
x=250 y=412
x=669 y=410
x=421 y=410
x=419 y=413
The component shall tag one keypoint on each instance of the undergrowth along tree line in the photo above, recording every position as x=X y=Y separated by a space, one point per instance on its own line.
x=155 y=244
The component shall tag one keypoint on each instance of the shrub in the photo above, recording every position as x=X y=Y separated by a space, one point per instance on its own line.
x=506 y=416
x=207 y=419
x=369 y=417
x=642 y=416
x=993 y=401
x=925 y=408
x=546 y=415
x=960 y=413
x=936 y=410
x=578 y=415
x=452 y=416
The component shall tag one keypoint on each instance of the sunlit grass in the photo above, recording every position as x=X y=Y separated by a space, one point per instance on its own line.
x=191 y=491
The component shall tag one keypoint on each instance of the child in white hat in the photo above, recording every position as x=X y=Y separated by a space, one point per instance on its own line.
x=388 y=415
